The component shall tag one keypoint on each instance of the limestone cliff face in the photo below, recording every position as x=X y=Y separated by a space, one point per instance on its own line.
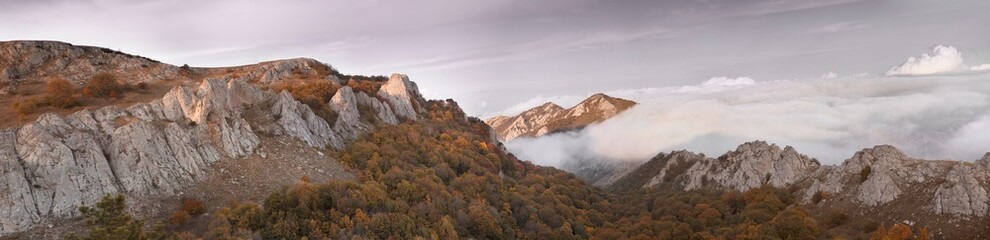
x=55 y=164
x=873 y=177
x=550 y=117
x=884 y=175
x=752 y=164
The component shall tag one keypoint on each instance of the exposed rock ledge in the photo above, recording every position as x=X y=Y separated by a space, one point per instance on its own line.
x=50 y=167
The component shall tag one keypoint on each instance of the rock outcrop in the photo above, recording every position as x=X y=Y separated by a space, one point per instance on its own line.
x=962 y=193
x=401 y=94
x=55 y=164
x=550 y=118
x=873 y=177
x=275 y=71
x=348 y=118
x=752 y=164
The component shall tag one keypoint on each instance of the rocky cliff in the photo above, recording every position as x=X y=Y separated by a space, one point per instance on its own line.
x=550 y=117
x=55 y=164
x=878 y=177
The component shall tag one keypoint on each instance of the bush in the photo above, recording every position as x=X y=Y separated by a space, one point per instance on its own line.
x=102 y=85
x=109 y=220
x=142 y=86
x=58 y=93
x=870 y=226
x=25 y=107
x=895 y=232
x=836 y=218
x=192 y=206
x=179 y=217
x=316 y=95
x=819 y=196
x=366 y=86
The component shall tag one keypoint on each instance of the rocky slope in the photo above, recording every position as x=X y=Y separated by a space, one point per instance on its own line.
x=881 y=179
x=55 y=164
x=24 y=62
x=550 y=117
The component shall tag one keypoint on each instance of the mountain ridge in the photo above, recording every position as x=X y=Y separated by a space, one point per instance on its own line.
x=550 y=117
x=879 y=179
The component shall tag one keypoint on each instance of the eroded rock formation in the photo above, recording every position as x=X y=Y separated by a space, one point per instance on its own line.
x=55 y=164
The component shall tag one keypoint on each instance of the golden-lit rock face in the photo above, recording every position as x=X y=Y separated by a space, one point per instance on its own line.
x=550 y=117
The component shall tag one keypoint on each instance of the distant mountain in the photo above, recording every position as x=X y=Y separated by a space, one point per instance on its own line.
x=550 y=117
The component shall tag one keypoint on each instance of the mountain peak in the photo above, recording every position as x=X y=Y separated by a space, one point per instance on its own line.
x=985 y=161
x=549 y=105
x=550 y=117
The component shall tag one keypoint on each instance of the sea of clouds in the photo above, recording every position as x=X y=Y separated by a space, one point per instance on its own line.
x=933 y=107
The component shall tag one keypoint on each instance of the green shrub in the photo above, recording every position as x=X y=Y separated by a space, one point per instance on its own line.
x=110 y=220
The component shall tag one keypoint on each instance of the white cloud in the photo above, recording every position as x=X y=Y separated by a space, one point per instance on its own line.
x=943 y=59
x=980 y=67
x=972 y=139
x=828 y=119
x=728 y=82
x=840 y=27
x=830 y=75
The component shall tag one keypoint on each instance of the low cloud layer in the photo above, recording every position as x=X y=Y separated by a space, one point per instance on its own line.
x=935 y=117
x=928 y=115
x=727 y=82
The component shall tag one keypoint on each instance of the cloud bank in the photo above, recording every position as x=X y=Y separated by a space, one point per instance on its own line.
x=926 y=114
x=935 y=117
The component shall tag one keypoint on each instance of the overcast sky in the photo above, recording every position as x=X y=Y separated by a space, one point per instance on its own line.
x=494 y=54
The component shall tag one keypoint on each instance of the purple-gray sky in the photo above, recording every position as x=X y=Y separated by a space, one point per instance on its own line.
x=492 y=55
